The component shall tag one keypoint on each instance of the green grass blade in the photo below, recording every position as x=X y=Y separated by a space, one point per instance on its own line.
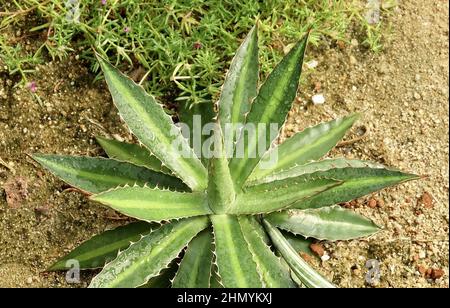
x=146 y=258
x=196 y=265
x=301 y=269
x=234 y=260
x=328 y=223
x=308 y=145
x=269 y=266
x=131 y=153
x=151 y=204
x=270 y=106
x=154 y=128
x=270 y=197
x=240 y=86
x=96 y=174
x=102 y=248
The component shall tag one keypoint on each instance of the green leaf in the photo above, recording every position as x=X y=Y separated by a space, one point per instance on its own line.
x=301 y=269
x=96 y=174
x=154 y=128
x=359 y=178
x=150 y=204
x=195 y=116
x=270 y=107
x=234 y=259
x=147 y=257
x=164 y=279
x=196 y=265
x=310 y=144
x=131 y=153
x=221 y=193
x=327 y=223
x=274 y=196
x=269 y=266
x=102 y=248
x=240 y=86
x=357 y=182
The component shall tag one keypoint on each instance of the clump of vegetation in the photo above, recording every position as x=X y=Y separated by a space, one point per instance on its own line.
x=175 y=46
x=216 y=221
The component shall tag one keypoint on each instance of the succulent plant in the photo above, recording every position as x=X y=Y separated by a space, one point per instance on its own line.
x=221 y=221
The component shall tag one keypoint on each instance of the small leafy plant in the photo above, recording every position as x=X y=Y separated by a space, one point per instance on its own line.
x=223 y=220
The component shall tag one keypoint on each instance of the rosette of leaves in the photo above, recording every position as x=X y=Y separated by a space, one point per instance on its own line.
x=222 y=221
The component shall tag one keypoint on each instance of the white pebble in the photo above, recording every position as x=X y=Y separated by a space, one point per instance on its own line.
x=318 y=99
x=325 y=258
x=312 y=64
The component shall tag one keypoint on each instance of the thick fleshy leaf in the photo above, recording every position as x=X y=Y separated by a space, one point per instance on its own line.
x=310 y=277
x=269 y=109
x=147 y=257
x=96 y=174
x=357 y=182
x=234 y=259
x=221 y=193
x=151 y=204
x=269 y=266
x=327 y=223
x=154 y=128
x=270 y=197
x=359 y=178
x=308 y=145
x=132 y=153
x=164 y=279
x=240 y=86
x=194 y=117
x=102 y=248
x=196 y=265
x=313 y=167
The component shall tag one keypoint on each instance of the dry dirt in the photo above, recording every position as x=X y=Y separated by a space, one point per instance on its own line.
x=401 y=92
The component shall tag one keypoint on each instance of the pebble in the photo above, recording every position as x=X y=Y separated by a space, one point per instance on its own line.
x=318 y=99
x=317 y=249
x=425 y=200
x=29 y=280
x=417 y=96
x=353 y=60
x=372 y=203
x=325 y=258
x=422 y=254
x=312 y=64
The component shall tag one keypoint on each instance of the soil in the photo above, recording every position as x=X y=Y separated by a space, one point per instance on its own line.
x=402 y=94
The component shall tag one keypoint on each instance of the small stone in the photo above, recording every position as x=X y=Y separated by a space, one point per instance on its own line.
x=317 y=86
x=422 y=254
x=354 y=88
x=29 y=280
x=318 y=99
x=354 y=42
x=353 y=60
x=417 y=77
x=312 y=64
x=325 y=258
x=436 y=273
x=422 y=270
x=380 y=202
x=425 y=200
x=372 y=203
x=417 y=96
x=306 y=257
x=317 y=249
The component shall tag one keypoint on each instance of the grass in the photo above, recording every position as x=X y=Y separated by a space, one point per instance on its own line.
x=173 y=46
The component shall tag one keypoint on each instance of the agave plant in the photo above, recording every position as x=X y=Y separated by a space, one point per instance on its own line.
x=222 y=221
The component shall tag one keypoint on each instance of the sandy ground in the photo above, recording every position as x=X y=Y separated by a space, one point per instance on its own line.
x=402 y=94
